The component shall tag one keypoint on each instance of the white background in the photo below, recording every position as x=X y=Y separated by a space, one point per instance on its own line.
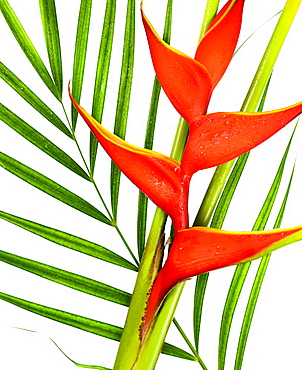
x=275 y=340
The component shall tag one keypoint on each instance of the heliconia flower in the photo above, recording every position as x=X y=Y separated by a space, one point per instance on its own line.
x=214 y=139
x=219 y=137
x=189 y=82
x=201 y=249
x=156 y=175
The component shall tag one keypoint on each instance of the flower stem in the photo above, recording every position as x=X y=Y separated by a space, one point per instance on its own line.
x=132 y=353
x=130 y=344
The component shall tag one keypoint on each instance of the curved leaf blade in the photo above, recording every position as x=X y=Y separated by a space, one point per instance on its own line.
x=40 y=141
x=218 y=219
x=51 y=188
x=69 y=279
x=200 y=290
x=123 y=100
x=27 y=46
x=102 y=71
x=255 y=291
x=83 y=323
x=28 y=95
x=79 y=58
x=242 y=270
x=69 y=241
x=92 y=326
x=52 y=39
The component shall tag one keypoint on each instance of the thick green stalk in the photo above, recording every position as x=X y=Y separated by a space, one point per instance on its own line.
x=209 y=14
x=131 y=354
x=130 y=343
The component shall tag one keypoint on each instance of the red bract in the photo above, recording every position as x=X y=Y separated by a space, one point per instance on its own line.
x=200 y=249
x=155 y=174
x=217 y=47
x=189 y=82
x=219 y=137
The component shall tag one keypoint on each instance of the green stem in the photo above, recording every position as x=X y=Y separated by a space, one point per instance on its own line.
x=209 y=14
x=132 y=353
x=130 y=344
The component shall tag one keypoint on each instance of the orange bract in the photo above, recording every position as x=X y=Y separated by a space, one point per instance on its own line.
x=216 y=48
x=189 y=82
x=219 y=137
x=200 y=249
x=156 y=175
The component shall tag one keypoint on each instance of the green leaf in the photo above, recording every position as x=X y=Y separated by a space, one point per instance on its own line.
x=254 y=294
x=68 y=279
x=69 y=241
x=242 y=269
x=79 y=58
x=228 y=192
x=229 y=309
x=142 y=199
x=123 y=100
x=50 y=187
x=233 y=180
x=169 y=349
x=28 y=95
x=52 y=39
x=200 y=289
x=40 y=141
x=102 y=71
x=27 y=46
x=217 y=222
x=76 y=321
x=222 y=207
x=83 y=323
x=190 y=345
x=141 y=223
